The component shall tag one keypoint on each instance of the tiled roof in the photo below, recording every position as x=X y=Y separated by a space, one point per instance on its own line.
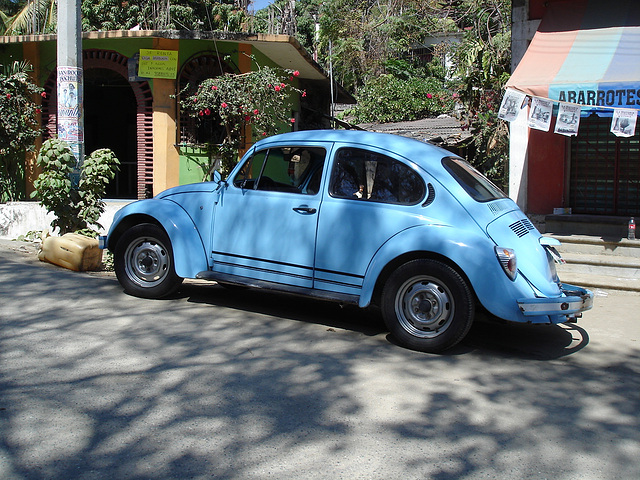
x=444 y=130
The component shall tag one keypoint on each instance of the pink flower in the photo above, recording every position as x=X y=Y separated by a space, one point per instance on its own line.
x=296 y=73
x=195 y=99
x=207 y=112
x=264 y=134
x=277 y=88
x=247 y=118
x=201 y=113
x=429 y=95
x=282 y=85
x=304 y=94
x=224 y=105
x=293 y=120
x=255 y=112
x=8 y=95
x=38 y=110
x=43 y=94
x=214 y=87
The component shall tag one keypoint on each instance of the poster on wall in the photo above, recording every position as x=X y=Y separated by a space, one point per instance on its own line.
x=540 y=114
x=623 y=123
x=511 y=105
x=568 y=120
x=69 y=85
x=158 y=63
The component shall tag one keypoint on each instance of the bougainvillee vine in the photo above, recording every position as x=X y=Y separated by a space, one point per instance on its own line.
x=257 y=104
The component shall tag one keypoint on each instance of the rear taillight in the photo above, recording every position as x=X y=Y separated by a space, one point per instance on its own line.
x=507 y=259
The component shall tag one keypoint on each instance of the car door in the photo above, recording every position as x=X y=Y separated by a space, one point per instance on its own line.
x=372 y=196
x=265 y=222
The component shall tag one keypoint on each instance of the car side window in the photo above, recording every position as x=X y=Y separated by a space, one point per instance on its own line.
x=283 y=169
x=360 y=174
x=250 y=171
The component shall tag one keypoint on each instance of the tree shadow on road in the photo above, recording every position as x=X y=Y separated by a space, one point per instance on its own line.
x=234 y=385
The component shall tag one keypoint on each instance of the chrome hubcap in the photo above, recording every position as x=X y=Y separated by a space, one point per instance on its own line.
x=147 y=262
x=424 y=307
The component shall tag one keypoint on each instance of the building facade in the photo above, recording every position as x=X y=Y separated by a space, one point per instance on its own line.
x=585 y=54
x=140 y=118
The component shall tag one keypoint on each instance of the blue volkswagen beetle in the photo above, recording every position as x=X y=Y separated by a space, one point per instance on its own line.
x=352 y=217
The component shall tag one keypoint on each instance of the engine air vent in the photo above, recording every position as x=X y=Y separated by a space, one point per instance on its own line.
x=521 y=227
x=431 y=197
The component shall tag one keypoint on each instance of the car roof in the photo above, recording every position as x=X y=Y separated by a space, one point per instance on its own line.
x=404 y=146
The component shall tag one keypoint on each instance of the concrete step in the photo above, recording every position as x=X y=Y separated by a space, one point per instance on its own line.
x=597 y=262
x=616 y=266
x=601 y=225
x=591 y=245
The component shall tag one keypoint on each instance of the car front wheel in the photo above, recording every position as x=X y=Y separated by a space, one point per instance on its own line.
x=427 y=306
x=143 y=262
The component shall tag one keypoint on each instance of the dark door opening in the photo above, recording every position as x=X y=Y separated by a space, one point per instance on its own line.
x=110 y=122
x=605 y=170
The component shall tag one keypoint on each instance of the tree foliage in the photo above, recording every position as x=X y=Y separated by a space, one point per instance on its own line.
x=482 y=63
x=388 y=98
x=18 y=127
x=39 y=16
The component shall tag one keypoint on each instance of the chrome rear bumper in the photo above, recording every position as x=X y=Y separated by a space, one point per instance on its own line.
x=574 y=301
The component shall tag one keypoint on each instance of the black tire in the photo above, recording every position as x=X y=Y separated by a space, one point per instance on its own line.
x=427 y=306
x=143 y=262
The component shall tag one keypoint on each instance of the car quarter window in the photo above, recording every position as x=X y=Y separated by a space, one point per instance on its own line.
x=283 y=169
x=361 y=174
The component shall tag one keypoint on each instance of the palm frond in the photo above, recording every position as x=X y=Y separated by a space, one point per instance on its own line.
x=37 y=16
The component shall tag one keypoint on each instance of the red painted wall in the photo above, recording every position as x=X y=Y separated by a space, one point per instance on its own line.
x=546 y=171
x=537 y=9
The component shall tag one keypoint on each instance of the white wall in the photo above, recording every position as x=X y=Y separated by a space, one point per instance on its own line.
x=19 y=218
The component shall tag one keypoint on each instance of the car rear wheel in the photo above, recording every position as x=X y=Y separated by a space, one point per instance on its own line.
x=143 y=262
x=427 y=306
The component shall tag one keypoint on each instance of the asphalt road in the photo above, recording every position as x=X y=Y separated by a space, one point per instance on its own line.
x=227 y=384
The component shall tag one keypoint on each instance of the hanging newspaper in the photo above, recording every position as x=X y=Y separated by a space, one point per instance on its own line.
x=623 y=123
x=540 y=114
x=568 y=120
x=511 y=105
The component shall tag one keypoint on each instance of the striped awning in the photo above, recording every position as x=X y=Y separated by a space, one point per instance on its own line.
x=585 y=52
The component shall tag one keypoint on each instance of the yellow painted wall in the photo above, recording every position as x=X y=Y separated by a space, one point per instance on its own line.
x=166 y=159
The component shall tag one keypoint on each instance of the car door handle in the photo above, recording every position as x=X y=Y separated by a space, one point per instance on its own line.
x=304 y=210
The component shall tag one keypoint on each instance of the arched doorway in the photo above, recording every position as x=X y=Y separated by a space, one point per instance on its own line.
x=110 y=122
x=112 y=68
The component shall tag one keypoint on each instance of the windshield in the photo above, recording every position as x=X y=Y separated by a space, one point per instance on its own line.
x=475 y=184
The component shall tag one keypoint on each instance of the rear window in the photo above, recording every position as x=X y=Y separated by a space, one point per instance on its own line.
x=475 y=184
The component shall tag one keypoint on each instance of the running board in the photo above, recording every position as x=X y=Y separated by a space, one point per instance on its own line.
x=344 y=298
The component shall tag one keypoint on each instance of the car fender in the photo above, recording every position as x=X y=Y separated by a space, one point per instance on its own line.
x=471 y=254
x=189 y=253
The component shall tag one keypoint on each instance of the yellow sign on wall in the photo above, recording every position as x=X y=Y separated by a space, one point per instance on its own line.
x=158 y=63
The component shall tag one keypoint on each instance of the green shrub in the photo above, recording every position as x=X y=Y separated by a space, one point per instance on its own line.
x=76 y=207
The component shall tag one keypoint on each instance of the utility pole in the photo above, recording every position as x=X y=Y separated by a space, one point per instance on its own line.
x=70 y=80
